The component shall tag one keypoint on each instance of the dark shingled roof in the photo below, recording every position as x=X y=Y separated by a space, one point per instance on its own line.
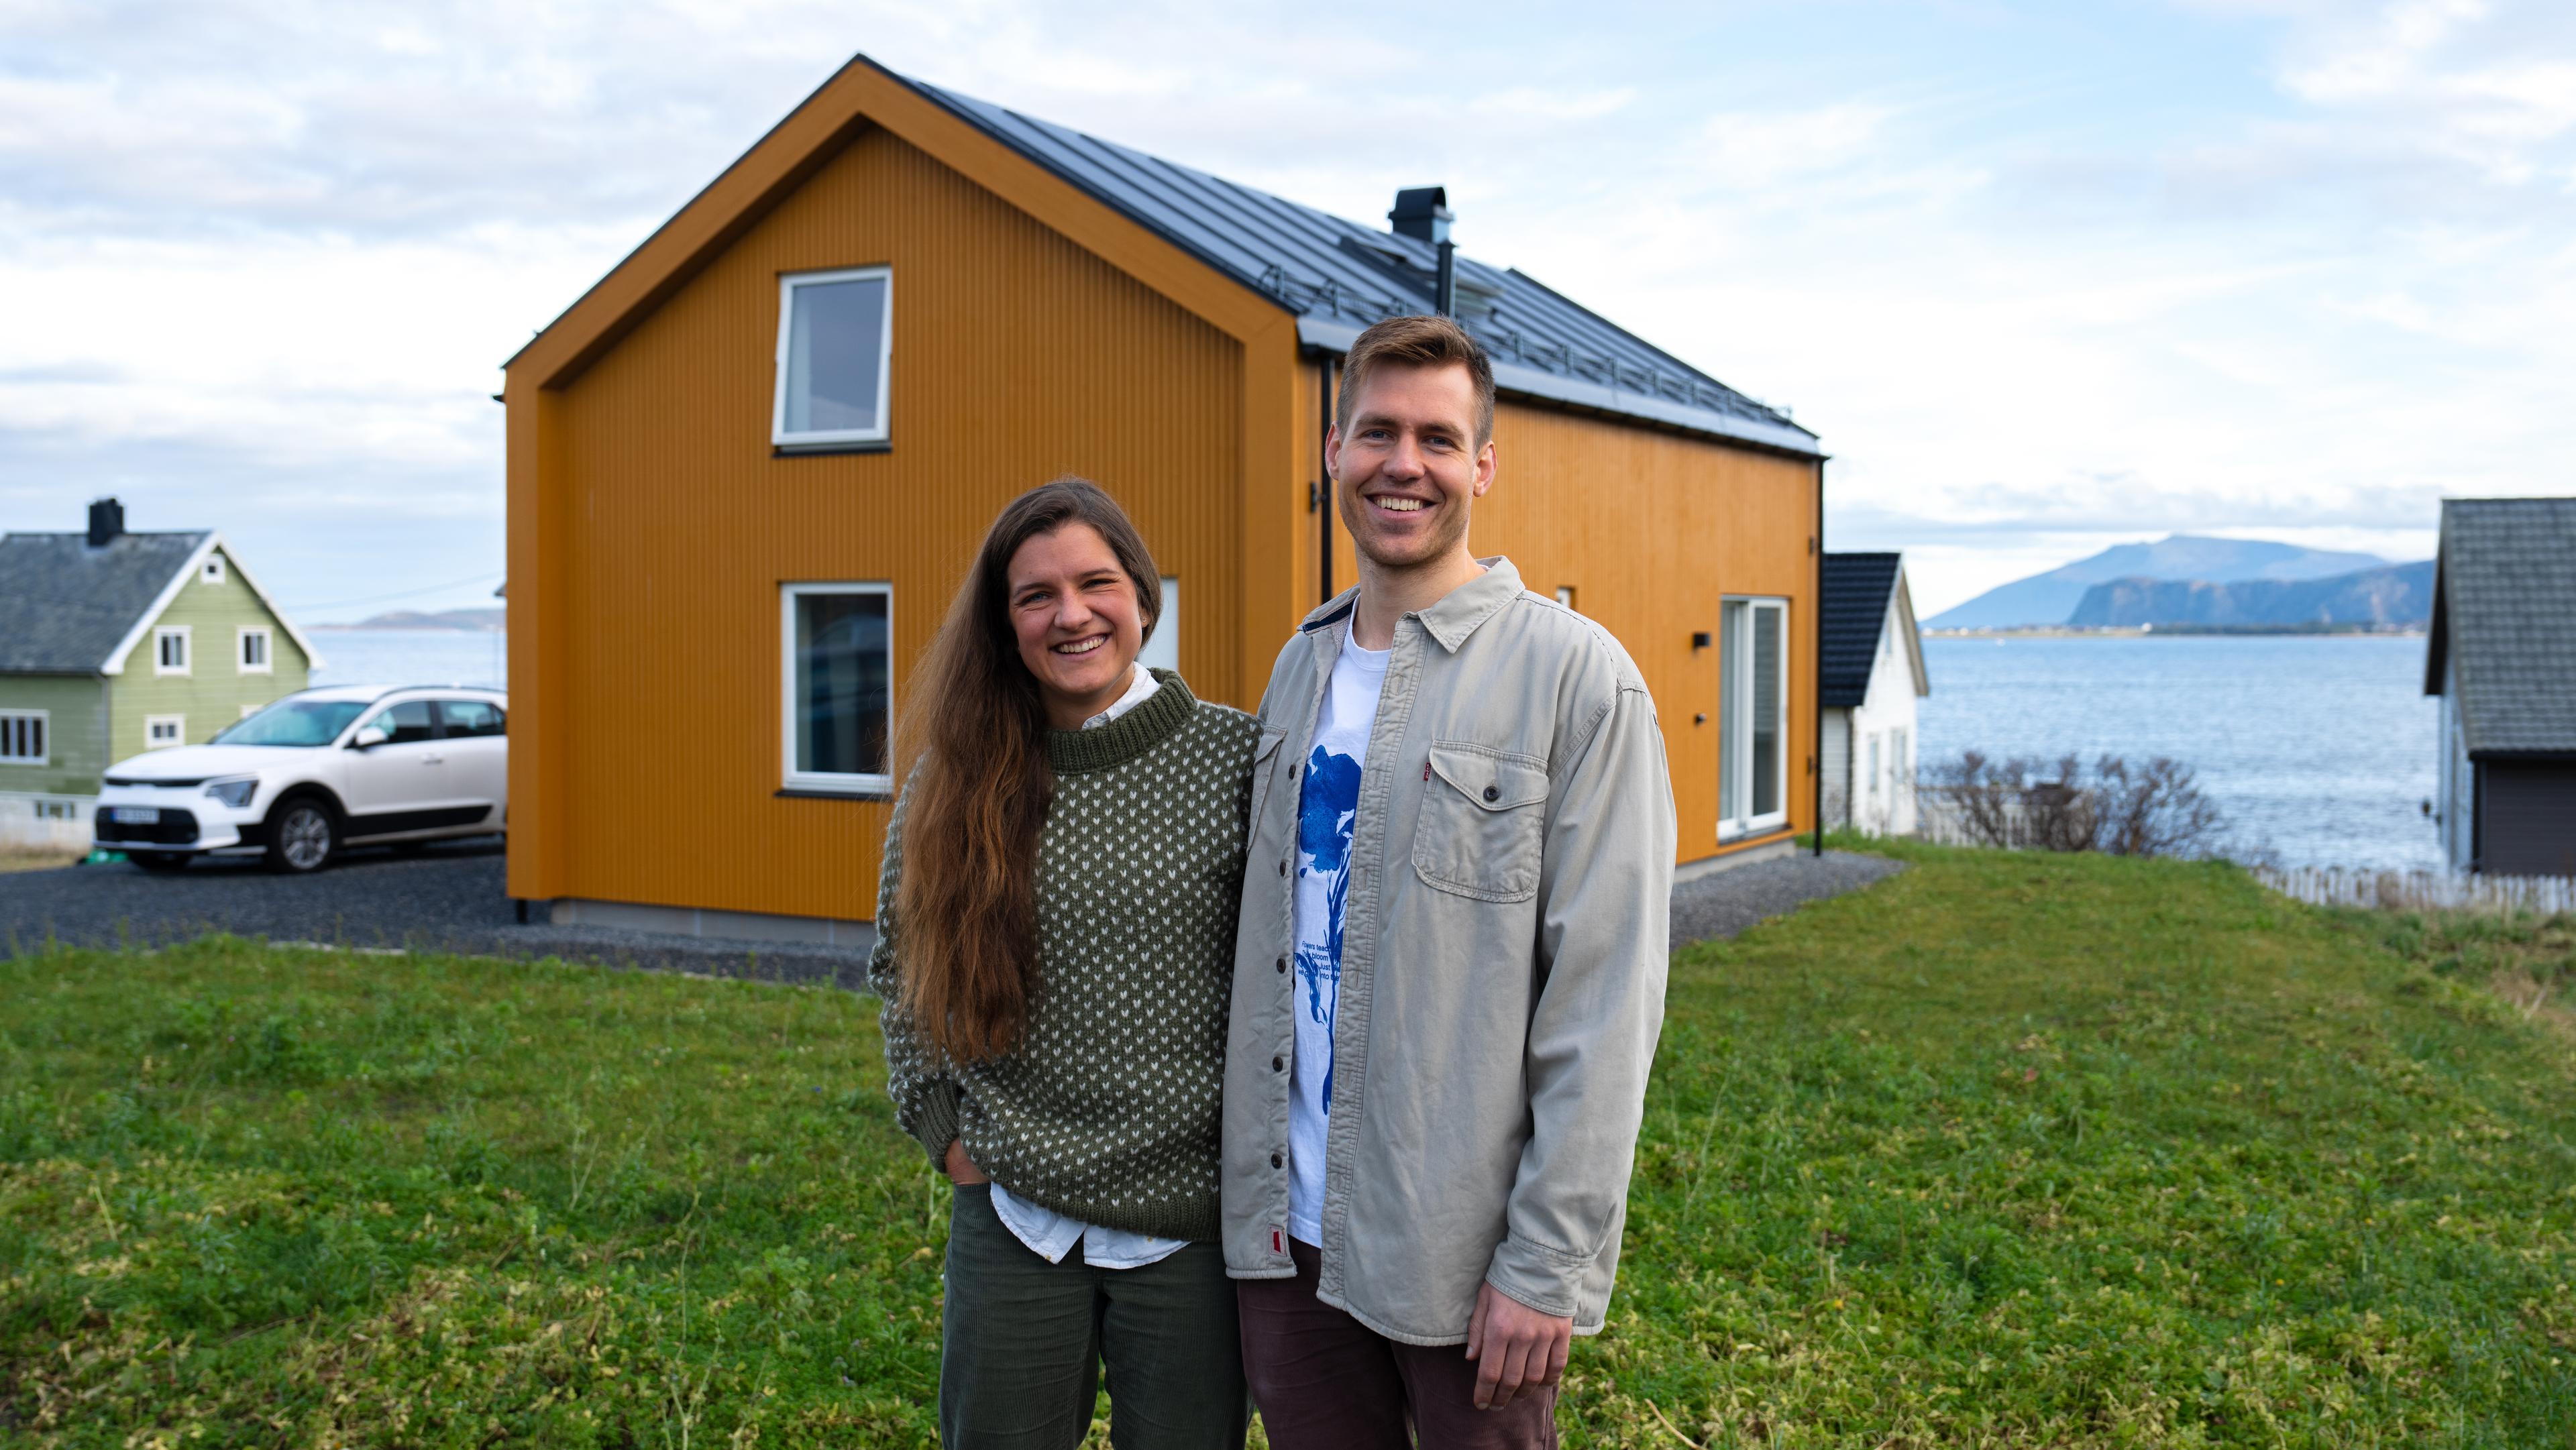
x=1338 y=277
x=1853 y=612
x=65 y=605
x=2504 y=616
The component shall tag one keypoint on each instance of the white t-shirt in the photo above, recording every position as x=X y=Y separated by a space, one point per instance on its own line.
x=1327 y=807
x=1049 y=1234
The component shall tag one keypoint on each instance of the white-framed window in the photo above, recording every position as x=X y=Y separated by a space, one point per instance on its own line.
x=836 y=686
x=250 y=710
x=1874 y=766
x=251 y=649
x=23 y=737
x=1163 y=651
x=1753 y=717
x=163 y=731
x=1565 y=595
x=170 y=649
x=835 y=347
x=211 y=571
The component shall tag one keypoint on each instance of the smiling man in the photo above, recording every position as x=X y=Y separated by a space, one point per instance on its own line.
x=1449 y=972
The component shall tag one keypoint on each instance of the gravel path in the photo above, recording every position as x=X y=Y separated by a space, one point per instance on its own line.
x=1726 y=902
x=452 y=897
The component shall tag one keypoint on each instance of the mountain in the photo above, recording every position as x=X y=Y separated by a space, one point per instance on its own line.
x=465 y=619
x=2392 y=595
x=2050 y=598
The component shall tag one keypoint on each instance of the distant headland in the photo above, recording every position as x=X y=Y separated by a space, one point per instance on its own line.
x=470 y=621
x=2189 y=584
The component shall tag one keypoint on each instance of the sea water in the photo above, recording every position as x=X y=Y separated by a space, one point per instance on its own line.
x=2319 y=750
x=411 y=657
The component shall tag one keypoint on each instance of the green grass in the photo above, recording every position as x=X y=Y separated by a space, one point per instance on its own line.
x=2009 y=1150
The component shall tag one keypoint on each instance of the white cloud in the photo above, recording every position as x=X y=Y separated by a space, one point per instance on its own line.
x=264 y=259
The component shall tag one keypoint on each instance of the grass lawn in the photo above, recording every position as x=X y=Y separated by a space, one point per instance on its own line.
x=2009 y=1150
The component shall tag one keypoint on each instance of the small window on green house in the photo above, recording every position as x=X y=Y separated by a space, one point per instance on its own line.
x=170 y=650
x=22 y=737
x=212 y=571
x=253 y=657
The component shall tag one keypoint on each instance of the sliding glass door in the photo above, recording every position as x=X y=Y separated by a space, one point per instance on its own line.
x=1753 y=717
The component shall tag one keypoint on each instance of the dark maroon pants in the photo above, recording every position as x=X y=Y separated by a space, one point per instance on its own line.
x=1325 y=1381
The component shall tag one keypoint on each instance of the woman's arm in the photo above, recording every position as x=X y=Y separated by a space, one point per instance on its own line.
x=925 y=1096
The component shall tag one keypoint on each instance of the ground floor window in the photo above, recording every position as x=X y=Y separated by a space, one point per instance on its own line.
x=164 y=730
x=1753 y=718
x=837 y=673
x=1163 y=651
x=22 y=737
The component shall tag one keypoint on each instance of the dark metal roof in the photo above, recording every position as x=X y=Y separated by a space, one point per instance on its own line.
x=1853 y=613
x=2504 y=618
x=1338 y=277
x=65 y=606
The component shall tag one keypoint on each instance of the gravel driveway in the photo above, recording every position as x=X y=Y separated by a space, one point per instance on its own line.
x=452 y=896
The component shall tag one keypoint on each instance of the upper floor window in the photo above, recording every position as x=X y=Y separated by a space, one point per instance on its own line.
x=254 y=657
x=835 y=336
x=170 y=650
x=212 y=571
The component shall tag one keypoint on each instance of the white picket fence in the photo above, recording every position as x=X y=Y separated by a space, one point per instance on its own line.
x=2422 y=890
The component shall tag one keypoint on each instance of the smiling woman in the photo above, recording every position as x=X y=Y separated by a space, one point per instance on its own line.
x=1055 y=938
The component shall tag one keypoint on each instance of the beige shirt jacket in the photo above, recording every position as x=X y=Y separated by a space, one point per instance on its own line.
x=1503 y=967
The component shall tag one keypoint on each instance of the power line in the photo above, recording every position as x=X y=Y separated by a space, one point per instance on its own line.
x=405 y=594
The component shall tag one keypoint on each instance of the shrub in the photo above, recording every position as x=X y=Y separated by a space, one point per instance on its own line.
x=2154 y=809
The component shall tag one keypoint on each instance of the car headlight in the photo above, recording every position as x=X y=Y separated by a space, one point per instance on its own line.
x=236 y=792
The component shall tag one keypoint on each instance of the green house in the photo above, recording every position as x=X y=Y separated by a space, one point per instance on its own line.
x=115 y=643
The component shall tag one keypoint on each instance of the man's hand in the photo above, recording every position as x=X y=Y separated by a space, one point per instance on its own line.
x=962 y=1170
x=1514 y=1346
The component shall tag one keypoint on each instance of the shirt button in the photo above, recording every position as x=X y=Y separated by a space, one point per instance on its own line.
x=1493 y=793
x=1283 y=966
x=1278 y=1064
x=1277 y=1162
x=1283 y=868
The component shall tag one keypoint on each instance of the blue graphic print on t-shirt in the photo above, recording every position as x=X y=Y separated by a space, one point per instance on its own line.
x=1325 y=814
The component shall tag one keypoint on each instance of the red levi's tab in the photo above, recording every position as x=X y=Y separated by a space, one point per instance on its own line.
x=1276 y=1246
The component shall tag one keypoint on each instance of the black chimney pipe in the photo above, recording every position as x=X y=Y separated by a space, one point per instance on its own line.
x=106 y=522
x=1422 y=213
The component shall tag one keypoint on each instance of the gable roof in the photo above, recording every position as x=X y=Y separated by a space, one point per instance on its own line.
x=1339 y=276
x=69 y=609
x=2504 y=620
x=1328 y=277
x=1852 y=616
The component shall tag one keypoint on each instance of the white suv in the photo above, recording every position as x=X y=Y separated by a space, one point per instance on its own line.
x=319 y=769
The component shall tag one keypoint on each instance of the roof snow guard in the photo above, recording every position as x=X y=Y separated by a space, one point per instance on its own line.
x=1338 y=277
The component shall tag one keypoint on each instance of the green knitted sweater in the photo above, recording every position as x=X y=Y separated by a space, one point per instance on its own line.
x=1108 y=1107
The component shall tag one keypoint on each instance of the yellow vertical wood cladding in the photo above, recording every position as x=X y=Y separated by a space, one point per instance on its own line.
x=1018 y=356
x=1653 y=530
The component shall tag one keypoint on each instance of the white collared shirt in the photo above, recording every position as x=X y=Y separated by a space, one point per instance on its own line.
x=1051 y=1235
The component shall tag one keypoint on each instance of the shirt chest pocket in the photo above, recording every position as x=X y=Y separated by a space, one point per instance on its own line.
x=1483 y=811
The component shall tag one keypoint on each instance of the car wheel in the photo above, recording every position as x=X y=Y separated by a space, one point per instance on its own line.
x=303 y=835
x=159 y=860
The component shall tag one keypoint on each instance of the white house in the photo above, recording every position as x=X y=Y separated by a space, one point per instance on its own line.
x=2502 y=656
x=1872 y=673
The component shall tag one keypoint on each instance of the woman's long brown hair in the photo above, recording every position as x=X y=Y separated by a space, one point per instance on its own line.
x=974 y=740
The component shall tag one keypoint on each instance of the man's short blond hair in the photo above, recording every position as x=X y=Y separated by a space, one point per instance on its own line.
x=1422 y=341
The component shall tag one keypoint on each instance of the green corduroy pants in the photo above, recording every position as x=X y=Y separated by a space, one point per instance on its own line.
x=1023 y=1343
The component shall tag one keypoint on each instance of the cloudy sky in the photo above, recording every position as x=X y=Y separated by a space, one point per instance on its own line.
x=2046 y=276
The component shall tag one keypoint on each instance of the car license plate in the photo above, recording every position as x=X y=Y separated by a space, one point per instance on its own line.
x=134 y=816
